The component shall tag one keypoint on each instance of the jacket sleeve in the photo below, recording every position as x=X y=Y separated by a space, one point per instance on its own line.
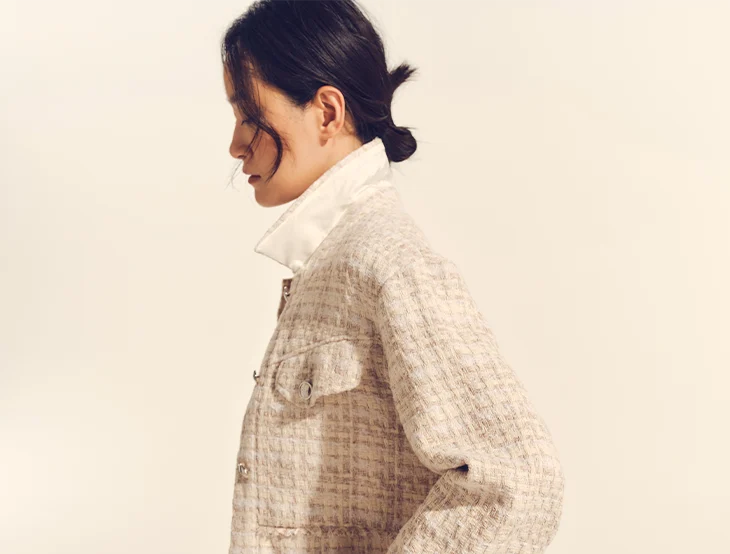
x=467 y=418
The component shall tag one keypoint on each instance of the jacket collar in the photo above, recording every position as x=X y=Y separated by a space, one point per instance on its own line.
x=297 y=233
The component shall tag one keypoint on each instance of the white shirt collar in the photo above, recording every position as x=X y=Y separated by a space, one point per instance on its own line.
x=297 y=233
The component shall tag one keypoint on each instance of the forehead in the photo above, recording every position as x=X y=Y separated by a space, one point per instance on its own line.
x=260 y=89
x=269 y=100
x=228 y=85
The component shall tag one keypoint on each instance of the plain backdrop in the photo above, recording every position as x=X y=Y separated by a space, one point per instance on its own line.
x=572 y=160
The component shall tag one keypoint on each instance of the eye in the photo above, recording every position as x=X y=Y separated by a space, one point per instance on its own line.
x=245 y=121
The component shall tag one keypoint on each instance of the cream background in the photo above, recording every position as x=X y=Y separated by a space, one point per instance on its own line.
x=573 y=161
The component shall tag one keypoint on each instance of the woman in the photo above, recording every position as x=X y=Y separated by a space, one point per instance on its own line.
x=383 y=417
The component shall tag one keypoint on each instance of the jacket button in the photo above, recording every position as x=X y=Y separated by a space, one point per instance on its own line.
x=243 y=470
x=255 y=376
x=305 y=390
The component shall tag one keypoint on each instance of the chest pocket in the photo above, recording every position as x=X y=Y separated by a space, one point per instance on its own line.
x=320 y=370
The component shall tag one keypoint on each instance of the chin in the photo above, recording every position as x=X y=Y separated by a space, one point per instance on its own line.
x=263 y=200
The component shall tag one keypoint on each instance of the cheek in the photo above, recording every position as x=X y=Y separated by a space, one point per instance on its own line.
x=264 y=152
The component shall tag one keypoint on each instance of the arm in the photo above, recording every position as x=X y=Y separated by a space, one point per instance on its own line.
x=467 y=417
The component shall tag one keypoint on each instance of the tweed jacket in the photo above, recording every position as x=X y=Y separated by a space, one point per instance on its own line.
x=384 y=418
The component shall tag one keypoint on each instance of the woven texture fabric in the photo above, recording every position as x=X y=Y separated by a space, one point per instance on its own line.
x=384 y=418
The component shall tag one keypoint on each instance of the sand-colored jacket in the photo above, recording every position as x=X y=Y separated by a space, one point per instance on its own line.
x=384 y=418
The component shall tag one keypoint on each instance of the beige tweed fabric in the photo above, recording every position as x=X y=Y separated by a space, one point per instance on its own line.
x=384 y=418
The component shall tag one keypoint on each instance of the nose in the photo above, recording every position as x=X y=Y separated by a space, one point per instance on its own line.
x=236 y=150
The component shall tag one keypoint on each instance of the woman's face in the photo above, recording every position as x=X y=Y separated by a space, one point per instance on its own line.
x=313 y=142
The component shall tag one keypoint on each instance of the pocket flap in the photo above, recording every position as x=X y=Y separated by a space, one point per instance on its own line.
x=323 y=369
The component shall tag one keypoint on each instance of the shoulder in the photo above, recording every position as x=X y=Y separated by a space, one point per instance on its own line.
x=380 y=239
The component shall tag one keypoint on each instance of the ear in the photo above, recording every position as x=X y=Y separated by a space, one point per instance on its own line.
x=330 y=103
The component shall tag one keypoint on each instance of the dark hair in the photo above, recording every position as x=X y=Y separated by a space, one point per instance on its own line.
x=298 y=46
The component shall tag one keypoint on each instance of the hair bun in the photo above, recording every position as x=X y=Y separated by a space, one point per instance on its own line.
x=399 y=142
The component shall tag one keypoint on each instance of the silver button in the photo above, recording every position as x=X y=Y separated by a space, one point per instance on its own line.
x=305 y=390
x=243 y=470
